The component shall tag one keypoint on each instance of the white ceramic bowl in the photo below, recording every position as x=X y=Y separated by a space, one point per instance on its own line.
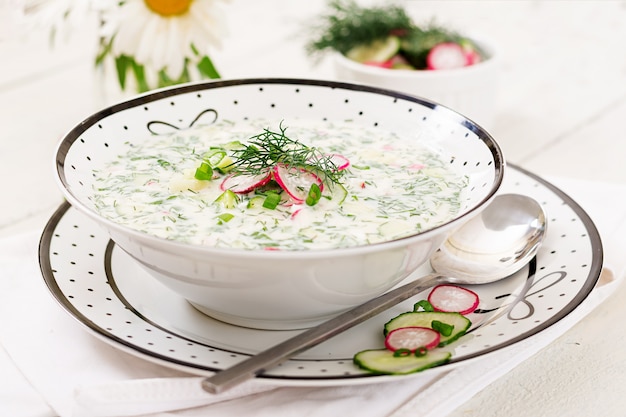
x=470 y=90
x=277 y=289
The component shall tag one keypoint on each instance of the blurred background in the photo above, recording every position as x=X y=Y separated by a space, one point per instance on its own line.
x=561 y=79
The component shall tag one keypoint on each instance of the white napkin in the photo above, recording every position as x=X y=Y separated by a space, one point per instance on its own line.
x=49 y=361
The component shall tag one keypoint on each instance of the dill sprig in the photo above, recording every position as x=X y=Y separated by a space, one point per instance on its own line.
x=348 y=25
x=269 y=148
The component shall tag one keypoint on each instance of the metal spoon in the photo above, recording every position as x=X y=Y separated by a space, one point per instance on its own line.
x=499 y=241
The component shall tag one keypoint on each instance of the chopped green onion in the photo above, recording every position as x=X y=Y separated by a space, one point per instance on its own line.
x=424 y=305
x=421 y=351
x=163 y=163
x=361 y=167
x=225 y=165
x=401 y=352
x=271 y=201
x=224 y=218
x=315 y=193
x=204 y=172
x=233 y=145
x=214 y=156
x=228 y=199
x=441 y=327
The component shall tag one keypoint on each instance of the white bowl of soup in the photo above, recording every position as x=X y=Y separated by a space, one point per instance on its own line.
x=278 y=203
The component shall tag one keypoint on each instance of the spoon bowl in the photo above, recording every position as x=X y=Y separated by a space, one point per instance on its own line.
x=493 y=245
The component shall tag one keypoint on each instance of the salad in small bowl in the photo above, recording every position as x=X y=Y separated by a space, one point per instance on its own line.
x=382 y=46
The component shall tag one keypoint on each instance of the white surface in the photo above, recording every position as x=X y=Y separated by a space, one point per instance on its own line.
x=560 y=109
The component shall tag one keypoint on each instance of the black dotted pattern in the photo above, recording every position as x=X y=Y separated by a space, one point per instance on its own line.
x=110 y=132
x=109 y=294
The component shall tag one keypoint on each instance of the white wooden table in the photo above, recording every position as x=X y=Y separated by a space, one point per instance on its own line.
x=560 y=112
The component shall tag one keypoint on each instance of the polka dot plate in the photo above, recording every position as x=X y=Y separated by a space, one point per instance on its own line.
x=106 y=291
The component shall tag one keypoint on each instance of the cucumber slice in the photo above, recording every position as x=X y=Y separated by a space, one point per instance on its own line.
x=256 y=202
x=336 y=193
x=377 y=51
x=383 y=361
x=425 y=319
x=228 y=199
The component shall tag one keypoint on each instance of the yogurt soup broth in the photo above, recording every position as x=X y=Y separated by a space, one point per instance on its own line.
x=226 y=185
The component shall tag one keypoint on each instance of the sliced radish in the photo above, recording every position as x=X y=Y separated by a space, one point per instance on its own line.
x=472 y=56
x=385 y=64
x=412 y=338
x=447 y=55
x=340 y=161
x=452 y=298
x=295 y=181
x=243 y=183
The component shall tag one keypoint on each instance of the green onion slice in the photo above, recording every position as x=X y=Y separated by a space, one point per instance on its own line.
x=423 y=305
x=421 y=351
x=224 y=217
x=401 y=352
x=271 y=201
x=441 y=327
x=204 y=172
x=315 y=193
x=214 y=156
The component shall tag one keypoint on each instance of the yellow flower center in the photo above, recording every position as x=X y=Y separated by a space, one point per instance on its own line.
x=168 y=7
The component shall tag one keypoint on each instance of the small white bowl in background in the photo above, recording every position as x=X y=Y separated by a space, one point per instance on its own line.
x=470 y=90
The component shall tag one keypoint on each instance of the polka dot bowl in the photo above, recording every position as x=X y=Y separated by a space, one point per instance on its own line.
x=280 y=289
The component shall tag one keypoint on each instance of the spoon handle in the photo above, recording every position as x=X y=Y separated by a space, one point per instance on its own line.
x=259 y=363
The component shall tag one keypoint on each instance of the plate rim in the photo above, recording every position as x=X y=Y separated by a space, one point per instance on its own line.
x=593 y=276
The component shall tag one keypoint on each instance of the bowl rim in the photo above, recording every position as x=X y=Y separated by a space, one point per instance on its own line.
x=490 y=61
x=73 y=134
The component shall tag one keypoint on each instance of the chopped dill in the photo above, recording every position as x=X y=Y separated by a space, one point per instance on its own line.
x=269 y=148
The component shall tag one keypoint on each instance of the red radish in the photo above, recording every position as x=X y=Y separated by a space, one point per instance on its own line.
x=295 y=213
x=243 y=184
x=446 y=55
x=384 y=64
x=472 y=57
x=340 y=161
x=296 y=181
x=412 y=338
x=452 y=298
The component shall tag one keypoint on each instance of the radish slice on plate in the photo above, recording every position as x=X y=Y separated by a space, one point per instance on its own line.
x=296 y=181
x=447 y=55
x=243 y=183
x=452 y=298
x=412 y=338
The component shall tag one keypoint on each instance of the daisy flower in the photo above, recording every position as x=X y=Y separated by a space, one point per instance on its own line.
x=161 y=42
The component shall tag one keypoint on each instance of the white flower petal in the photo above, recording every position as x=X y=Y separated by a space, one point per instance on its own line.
x=160 y=42
x=148 y=45
x=174 y=56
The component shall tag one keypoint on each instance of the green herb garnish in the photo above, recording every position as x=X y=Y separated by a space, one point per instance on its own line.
x=225 y=218
x=271 y=201
x=424 y=305
x=269 y=148
x=315 y=193
x=204 y=172
x=348 y=25
x=441 y=327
